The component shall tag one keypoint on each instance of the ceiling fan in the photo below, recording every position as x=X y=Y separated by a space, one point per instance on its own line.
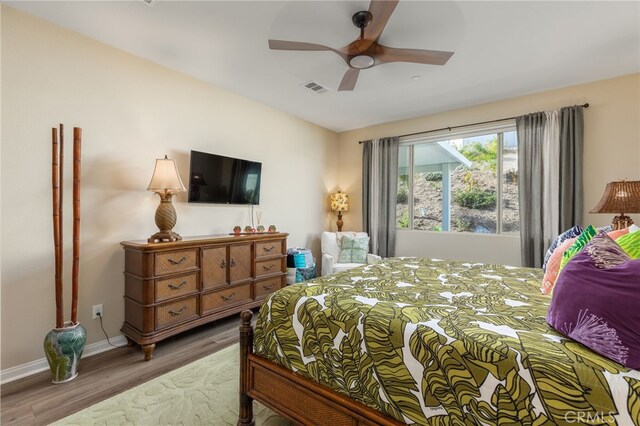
x=365 y=52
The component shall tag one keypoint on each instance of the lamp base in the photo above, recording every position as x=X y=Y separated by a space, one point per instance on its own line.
x=165 y=220
x=164 y=237
x=339 y=223
x=622 y=221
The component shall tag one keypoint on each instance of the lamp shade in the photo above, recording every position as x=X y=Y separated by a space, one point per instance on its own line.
x=620 y=197
x=165 y=177
x=339 y=202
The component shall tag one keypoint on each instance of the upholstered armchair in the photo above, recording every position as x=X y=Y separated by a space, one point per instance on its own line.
x=330 y=243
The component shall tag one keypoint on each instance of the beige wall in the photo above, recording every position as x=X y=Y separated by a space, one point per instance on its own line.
x=611 y=152
x=131 y=112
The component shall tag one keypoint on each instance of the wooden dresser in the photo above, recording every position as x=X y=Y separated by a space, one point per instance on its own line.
x=173 y=287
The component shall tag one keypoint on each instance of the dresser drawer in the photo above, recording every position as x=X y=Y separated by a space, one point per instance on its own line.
x=269 y=267
x=268 y=248
x=176 y=312
x=266 y=287
x=219 y=300
x=172 y=287
x=176 y=261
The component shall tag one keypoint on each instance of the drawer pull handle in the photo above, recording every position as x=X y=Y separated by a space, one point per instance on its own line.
x=268 y=268
x=267 y=287
x=223 y=264
x=268 y=249
x=227 y=298
x=176 y=313
x=177 y=262
x=177 y=287
x=233 y=262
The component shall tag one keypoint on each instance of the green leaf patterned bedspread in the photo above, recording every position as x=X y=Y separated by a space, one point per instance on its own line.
x=434 y=342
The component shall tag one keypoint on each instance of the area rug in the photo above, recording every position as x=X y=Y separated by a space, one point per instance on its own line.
x=204 y=392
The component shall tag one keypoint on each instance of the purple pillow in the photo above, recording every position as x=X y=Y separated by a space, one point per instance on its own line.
x=569 y=233
x=596 y=299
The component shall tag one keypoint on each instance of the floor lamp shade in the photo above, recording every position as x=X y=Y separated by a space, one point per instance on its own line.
x=620 y=197
x=165 y=182
x=339 y=203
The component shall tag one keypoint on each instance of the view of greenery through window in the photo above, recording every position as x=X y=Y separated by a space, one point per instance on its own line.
x=460 y=185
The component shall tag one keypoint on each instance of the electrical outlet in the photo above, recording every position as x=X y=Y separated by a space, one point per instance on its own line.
x=97 y=309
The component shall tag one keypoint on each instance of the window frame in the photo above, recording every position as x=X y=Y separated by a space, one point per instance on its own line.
x=447 y=135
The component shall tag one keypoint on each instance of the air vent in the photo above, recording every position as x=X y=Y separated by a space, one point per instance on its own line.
x=315 y=87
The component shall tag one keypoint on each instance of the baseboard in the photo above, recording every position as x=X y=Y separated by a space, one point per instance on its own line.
x=33 y=367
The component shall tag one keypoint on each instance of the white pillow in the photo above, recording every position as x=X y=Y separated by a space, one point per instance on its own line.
x=340 y=235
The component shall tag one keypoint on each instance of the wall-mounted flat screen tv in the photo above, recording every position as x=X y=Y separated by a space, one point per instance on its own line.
x=223 y=180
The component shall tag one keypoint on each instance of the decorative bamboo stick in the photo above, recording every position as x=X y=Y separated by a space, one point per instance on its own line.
x=77 y=144
x=55 y=183
x=61 y=214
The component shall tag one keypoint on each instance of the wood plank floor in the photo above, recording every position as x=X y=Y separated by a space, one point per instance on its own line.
x=34 y=400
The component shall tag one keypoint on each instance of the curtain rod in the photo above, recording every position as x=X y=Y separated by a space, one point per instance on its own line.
x=465 y=125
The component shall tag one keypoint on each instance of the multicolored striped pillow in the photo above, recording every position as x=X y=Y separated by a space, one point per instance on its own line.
x=630 y=243
x=553 y=267
x=569 y=233
x=586 y=236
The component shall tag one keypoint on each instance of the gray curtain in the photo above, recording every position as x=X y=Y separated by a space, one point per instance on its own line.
x=530 y=130
x=379 y=193
x=567 y=190
x=571 y=147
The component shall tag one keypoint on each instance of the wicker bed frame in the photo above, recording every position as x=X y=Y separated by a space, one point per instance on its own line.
x=293 y=396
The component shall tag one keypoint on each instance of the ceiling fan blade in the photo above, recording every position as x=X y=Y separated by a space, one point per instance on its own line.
x=304 y=46
x=381 y=11
x=295 y=45
x=349 y=80
x=418 y=56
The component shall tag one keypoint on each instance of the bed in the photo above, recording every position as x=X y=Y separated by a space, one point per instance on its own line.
x=426 y=342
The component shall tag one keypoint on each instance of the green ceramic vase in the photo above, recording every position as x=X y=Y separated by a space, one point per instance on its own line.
x=63 y=348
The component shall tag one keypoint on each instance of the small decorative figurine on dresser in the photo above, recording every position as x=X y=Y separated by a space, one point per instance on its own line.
x=237 y=230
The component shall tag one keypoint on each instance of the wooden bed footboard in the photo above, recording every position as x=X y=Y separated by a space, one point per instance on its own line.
x=293 y=396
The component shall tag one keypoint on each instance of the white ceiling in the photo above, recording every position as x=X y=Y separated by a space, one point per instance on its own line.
x=502 y=49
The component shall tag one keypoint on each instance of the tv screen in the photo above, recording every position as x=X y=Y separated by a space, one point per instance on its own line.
x=223 y=180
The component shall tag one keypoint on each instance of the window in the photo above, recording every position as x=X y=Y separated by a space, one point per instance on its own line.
x=462 y=182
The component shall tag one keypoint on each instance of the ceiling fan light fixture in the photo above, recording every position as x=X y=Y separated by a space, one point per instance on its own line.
x=362 y=62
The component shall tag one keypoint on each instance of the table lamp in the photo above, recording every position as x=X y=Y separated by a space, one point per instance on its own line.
x=620 y=197
x=165 y=182
x=339 y=203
